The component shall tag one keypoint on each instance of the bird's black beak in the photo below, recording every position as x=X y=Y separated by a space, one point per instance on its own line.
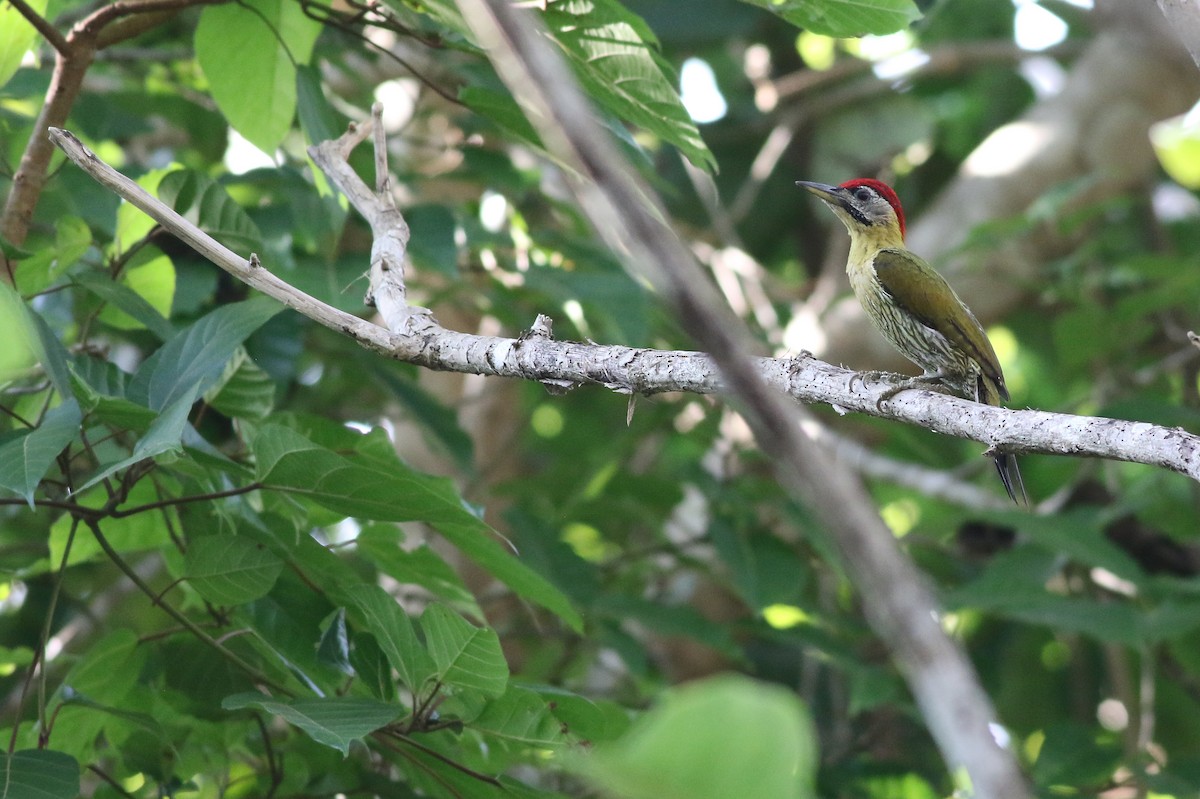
x=830 y=194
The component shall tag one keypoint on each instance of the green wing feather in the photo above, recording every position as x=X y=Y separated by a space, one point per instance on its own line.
x=917 y=288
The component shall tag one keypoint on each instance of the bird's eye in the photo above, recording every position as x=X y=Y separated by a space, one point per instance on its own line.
x=862 y=194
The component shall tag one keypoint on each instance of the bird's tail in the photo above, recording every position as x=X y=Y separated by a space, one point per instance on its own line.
x=1010 y=475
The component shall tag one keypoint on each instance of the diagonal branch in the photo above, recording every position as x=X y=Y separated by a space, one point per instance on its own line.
x=535 y=355
x=896 y=600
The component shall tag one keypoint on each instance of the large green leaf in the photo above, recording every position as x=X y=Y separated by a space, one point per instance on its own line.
x=334 y=722
x=72 y=238
x=394 y=633
x=466 y=656
x=520 y=716
x=230 y=569
x=16 y=36
x=371 y=488
x=194 y=358
x=727 y=736
x=614 y=55
x=51 y=354
x=244 y=390
x=127 y=300
x=165 y=434
x=38 y=774
x=20 y=350
x=25 y=459
x=420 y=565
x=150 y=276
x=844 y=19
x=248 y=52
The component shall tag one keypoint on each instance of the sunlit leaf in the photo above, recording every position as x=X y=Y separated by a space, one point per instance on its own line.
x=248 y=52
x=844 y=18
x=727 y=736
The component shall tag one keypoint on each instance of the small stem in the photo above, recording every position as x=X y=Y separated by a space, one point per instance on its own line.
x=166 y=503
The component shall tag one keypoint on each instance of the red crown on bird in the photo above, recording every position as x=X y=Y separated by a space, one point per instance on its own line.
x=884 y=190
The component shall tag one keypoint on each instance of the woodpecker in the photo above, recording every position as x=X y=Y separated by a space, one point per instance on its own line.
x=913 y=306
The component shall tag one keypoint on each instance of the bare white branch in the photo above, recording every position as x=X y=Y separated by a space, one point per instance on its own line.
x=420 y=340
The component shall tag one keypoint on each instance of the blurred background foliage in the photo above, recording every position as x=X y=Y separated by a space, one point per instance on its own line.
x=663 y=529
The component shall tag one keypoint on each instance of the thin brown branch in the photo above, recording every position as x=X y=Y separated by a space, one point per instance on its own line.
x=173 y=501
x=107 y=25
x=191 y=626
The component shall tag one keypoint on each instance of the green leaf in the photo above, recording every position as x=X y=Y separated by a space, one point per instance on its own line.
x=20 y=349
x=128 y=301
x=614 y=55
x=432 y=246
x=844 y=19
x=230 y=569
x=116 y=411
x=193 y=359
x=335 y=722
x=72 y=238
x=520 y=716
x=390 y=491
x=25 y=459
x=16 y=37
x=205 y=203
x=726 y=736
x=134 y=533
x=105 y=673
x=418 y=566
x=334 y=647
x=1071 y=755
x=244 y=391
x=51 y=354
x=394 y=633
x=372 y=667
x=466 y=656
x=165 y=434
x=500 y=107
x=38 y=774
x=318 y=120
x=151 y=276
x=249 y=52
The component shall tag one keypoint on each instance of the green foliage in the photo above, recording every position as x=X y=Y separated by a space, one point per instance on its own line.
x=241 y=556
x=844 y=18
x=39 y=772
x=250 y=53
x=725 y=737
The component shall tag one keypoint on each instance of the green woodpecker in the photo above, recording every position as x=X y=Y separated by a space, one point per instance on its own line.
x=913 y=306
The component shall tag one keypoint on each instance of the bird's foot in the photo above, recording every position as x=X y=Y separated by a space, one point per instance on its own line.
x=930 y=382
x=870 y=375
